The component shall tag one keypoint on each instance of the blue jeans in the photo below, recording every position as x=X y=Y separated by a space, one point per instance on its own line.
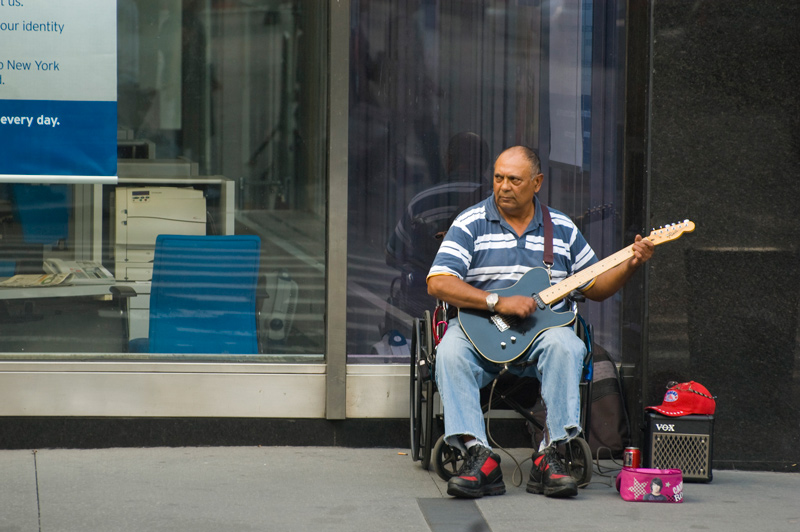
x=555 y=358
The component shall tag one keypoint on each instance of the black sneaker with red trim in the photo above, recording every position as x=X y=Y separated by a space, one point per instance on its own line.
x=480 y=475
x=549 y=476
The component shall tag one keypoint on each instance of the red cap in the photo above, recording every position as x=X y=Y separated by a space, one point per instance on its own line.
x=686 y=398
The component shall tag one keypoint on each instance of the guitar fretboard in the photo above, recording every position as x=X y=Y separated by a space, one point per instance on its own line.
x=561 y=290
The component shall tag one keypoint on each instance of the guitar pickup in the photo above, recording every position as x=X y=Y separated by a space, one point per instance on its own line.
x=500 y=322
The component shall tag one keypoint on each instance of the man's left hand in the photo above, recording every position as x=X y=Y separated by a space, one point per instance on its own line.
x=642 y=250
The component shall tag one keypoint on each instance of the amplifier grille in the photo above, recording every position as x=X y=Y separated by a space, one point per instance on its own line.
x=688 y=452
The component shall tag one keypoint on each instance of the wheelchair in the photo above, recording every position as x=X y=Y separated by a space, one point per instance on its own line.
x=519 y=394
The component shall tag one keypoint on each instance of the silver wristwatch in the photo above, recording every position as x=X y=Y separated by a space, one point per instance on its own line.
x=491 y=301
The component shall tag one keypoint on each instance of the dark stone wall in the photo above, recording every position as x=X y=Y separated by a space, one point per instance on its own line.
x=724 y=141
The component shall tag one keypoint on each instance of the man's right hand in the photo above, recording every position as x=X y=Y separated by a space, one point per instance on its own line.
x=459 y=294
x=522 y=306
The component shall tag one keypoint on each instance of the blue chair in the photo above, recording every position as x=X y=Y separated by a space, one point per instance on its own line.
x=43 y=212
x=203 y=294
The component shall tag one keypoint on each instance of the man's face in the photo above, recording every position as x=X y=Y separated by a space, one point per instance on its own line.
x=514 y=186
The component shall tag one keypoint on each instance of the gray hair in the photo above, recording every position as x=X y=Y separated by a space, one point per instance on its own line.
x=536 y=165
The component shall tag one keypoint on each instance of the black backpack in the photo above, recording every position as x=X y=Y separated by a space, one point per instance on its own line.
x=609 y=430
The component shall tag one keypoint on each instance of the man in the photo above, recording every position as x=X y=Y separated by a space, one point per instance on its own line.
x=490 y=246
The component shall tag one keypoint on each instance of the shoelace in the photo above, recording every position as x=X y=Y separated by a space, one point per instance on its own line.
x=470 y=462
x=553 y=461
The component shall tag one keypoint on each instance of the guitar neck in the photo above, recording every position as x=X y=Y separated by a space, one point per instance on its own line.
x=559 y=291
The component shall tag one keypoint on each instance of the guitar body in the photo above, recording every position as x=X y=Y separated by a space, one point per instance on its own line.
x=502 y=346
x=503 y=339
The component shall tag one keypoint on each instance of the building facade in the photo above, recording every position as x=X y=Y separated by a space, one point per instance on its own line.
x=337 y=132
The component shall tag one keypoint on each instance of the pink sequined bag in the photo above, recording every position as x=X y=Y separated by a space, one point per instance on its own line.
x=650 y=485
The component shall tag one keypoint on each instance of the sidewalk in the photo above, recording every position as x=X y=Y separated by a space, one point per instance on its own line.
x=341 y=489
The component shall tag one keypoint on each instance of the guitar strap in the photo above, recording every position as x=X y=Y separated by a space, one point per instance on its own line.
x=548 y=237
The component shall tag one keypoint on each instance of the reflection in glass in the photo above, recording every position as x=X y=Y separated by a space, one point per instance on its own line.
x=425 y=74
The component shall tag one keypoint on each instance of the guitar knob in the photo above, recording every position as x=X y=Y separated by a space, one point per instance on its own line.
x=503 y=345
x=513 y=339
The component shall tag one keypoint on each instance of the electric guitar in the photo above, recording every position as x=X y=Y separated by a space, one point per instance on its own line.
x=502 y=339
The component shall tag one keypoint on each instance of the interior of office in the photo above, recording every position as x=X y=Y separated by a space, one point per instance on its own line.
x=215 y=137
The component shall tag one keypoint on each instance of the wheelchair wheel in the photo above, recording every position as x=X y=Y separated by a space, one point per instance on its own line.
x=578 y=458
x=421 y=401
x=446 y=460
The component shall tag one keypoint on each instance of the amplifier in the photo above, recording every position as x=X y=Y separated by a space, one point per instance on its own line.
x=684 y=442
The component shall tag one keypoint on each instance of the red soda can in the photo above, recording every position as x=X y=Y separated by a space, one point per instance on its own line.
x=632 y=457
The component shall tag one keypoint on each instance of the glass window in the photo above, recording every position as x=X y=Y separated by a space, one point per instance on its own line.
x=221 y=130
x=438 y=89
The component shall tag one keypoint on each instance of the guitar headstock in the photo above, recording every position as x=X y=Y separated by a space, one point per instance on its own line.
x=670 y=232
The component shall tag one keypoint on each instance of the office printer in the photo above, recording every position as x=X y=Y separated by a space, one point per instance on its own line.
x=142 y=213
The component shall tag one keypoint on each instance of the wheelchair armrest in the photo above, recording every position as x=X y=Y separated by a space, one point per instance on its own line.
x=577 y=296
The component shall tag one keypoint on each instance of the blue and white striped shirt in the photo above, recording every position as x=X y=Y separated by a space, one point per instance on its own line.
x=482 y=249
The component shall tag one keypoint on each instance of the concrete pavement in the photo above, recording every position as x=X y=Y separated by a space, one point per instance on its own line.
x=344 y=489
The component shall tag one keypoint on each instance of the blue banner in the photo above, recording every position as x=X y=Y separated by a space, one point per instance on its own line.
x=58 y=89
x=58 y=138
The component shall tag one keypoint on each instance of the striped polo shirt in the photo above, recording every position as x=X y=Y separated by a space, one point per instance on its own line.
x=482 y=249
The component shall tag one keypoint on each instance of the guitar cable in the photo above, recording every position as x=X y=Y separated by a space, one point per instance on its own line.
x=518 y=468
x=517 y=477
